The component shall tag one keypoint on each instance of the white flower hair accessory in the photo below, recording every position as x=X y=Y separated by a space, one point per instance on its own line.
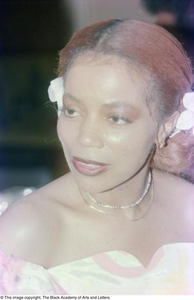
x=186 y=118
x=184 y=122
x=56 y=91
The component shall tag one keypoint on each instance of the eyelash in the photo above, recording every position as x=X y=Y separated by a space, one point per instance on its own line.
x=126 y=120
x=66 y=109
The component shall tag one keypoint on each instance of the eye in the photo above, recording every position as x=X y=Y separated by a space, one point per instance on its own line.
x=119 y=120
x=70 y=112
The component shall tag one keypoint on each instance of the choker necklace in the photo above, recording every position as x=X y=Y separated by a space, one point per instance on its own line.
x=131 y=205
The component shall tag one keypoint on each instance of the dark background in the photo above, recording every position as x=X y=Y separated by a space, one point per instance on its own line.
x=31 y=34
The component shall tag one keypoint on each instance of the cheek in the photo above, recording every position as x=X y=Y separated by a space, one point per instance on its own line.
x=131 y=141
x=60 y=130
x=65 y=133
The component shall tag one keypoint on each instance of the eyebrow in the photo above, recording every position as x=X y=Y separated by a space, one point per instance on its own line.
x=112 y=104
x=116 y=104
x=71 y=97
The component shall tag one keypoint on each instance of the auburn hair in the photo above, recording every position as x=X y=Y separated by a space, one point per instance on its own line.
x=150 y=49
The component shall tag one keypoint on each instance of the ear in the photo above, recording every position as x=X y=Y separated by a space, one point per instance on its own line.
x=167 y=127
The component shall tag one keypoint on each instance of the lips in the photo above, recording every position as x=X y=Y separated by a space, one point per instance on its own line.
x=89 y=167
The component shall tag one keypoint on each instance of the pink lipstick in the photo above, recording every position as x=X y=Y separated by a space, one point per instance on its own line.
x=89 y=167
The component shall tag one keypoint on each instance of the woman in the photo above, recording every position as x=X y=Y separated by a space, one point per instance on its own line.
x=120 y=222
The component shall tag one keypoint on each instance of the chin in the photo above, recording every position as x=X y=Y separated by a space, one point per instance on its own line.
x=90 y=184
x=97 y=184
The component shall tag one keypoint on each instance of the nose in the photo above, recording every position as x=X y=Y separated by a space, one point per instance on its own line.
x=90 y=134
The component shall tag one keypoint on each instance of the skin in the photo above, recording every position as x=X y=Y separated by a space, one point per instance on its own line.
x=108 y=121
x=166 y=18
x=54 y=225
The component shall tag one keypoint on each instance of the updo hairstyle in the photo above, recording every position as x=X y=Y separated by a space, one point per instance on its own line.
x=160 y=60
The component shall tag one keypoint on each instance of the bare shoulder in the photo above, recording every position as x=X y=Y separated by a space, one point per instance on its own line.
x=30 y=228
x=176 y=201
x=175 y=186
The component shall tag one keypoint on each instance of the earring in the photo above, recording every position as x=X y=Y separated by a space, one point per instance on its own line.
x=161 y=144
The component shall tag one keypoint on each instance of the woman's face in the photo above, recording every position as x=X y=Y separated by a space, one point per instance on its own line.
x=105 y=126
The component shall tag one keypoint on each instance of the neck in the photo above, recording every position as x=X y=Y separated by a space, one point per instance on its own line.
x=123 y=195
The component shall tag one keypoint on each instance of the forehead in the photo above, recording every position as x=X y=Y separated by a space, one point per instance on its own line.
x=105 y=77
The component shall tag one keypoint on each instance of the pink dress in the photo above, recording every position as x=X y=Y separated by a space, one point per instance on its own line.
x=171 y=271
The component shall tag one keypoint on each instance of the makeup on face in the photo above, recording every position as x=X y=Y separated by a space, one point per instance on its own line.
x=89 y=167
x=117 y=112
x=105 y=124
